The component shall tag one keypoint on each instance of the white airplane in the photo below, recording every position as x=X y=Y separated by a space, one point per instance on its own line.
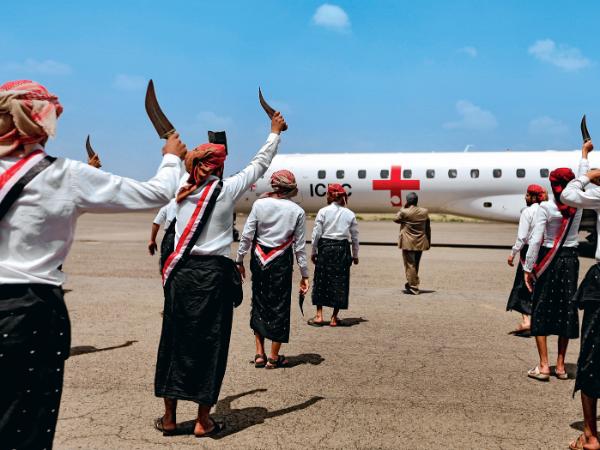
x=485 y=185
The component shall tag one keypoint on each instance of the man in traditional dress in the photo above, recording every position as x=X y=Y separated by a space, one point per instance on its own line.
x=201 y=283
x=41 y=198
x=552 y=264
x=165 y=217
x=275 y=231
x=335 y=227
x=520 y=297
x=415 y=237
x=583 y=192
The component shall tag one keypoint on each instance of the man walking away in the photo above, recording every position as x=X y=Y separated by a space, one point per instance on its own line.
x=415 y=237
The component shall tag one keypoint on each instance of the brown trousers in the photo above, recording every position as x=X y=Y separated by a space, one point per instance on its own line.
x=412 y=259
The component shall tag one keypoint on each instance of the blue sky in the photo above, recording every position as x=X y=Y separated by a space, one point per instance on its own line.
x=348 y=75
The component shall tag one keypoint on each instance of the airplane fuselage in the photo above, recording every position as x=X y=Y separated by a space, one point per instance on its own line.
x=486 y=185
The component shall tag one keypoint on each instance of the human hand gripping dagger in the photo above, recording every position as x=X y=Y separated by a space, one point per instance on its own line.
x=93 y=158
x=162 y=125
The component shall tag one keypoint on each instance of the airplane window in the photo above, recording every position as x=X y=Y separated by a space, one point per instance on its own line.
x=321 y=174
x=520 y=173
x=430 y=173
x=362 y=174
x=544 y=173
x=487 y=204
x=384 y=173
x=339 y=174
x=474 y=173
x=452 y=173
x=497 y=173
x=407 y=173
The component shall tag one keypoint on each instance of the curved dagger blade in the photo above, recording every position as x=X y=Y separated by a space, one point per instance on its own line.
x=268 y=108
x=162 y=125
x=585 y=134
x=89 y=148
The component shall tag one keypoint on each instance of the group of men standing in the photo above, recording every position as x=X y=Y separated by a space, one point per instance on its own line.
x=545 y=289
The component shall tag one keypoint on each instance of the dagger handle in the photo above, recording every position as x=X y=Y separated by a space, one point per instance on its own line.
x=168 y=133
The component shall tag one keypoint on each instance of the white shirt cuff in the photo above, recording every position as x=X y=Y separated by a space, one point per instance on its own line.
x=273 y=137
x=171 y=158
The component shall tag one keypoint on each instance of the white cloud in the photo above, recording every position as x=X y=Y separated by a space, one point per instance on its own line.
x=563 y=56
x=469 y=51
x=213 y=121
x=473 y=118
x=332 y=17
x=129 y=82
x=548 y=126
x=33 y=66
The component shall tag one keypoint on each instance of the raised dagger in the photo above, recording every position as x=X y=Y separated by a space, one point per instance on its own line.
x=268 y=108
x=162 y=125
x=584 y=131
x=88 y=147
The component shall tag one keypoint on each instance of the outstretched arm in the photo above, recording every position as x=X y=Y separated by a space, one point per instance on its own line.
x=241 y=182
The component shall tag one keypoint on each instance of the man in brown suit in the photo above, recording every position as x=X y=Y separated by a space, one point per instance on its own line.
x=415 y=237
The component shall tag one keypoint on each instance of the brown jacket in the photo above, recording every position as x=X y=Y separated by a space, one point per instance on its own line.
x=415 y=229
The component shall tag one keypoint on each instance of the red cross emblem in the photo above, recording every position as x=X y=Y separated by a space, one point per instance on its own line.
x=396 y=185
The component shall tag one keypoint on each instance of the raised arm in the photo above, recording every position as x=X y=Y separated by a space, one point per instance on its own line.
x=241 y=182
x=400 y=216
x=575 y=193
x=98 y=191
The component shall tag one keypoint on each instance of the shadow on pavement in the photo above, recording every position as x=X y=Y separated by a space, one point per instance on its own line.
x=83 y=349
x=237 y=420
x=313 y=359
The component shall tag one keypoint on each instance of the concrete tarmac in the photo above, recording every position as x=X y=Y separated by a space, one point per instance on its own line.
x=434 y=371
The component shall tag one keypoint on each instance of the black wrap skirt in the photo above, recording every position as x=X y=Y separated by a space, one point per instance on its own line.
x=167 y=245
x=331 y=285
x=588 y=363
x=194 y=343
x=554 y=309
x=272 y=295
x=520 y=298
x=35 y=339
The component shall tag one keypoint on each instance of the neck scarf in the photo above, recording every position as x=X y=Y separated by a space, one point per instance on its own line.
x=28 y=115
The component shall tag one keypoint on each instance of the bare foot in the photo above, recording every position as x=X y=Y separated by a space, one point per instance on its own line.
x=204 y=427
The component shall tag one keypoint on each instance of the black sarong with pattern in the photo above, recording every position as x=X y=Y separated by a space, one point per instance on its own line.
x=194 y=343
x=331 y=286
x=554 y=309
x=520 y=298
x=35 y=339
x=272 y=295
x=588 y=363
x=167 y=245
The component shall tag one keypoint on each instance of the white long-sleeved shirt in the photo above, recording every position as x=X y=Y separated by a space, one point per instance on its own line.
x=166 y=214
x=335 y=222
x=525 y=230
x=37 y=232
x=217 y=235
x=548 y=220
x=579 y=193
x=274 y=222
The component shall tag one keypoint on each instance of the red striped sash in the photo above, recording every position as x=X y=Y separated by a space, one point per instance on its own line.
x=565 y=226
x=266 y=257
x=204 y=207
x=18 y=175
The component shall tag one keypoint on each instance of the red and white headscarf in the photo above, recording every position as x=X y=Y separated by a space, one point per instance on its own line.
x=283 y=183
x=337 y=193
x=28 y=114
x=559 y=178
x=536 y=191
x=200 y=163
